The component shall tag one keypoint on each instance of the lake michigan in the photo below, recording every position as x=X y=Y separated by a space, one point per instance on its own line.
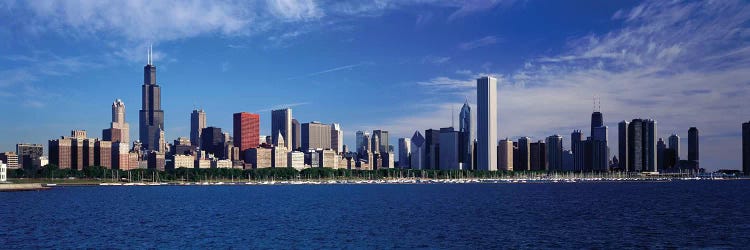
x=682 y=214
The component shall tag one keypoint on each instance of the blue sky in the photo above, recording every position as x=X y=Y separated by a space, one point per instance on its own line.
x=395 y=65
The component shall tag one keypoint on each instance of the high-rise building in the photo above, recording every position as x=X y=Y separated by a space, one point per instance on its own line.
x=554 y=153
x=418 y=151
x=642 y=139
x=119 y=130
x=486 y=123
x=622 y=136
x=362 y=141
x=60 y=152
x=524 y=154
x=281 y=123
x=674 y=144
x=661 y=147
x=212 y=141
x=449 y=151
x=538 y=156
x=27 y=153
x=600 y=149
x=432 y=144
x=467 y=137
x=746 y=148
x=505 y=155
x=151 y=116
x=10 y=159
x=375 y=143
x=577 y=148
x=316 y=135
x=404 y=152
x=650 y=140
x=337 y=138
x=197 y=124
x=597 y=120
x=296 y=135
x=693 y=145
x=246 y=130
x=384 y=142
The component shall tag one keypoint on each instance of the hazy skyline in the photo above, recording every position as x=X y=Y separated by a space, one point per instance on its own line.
x=393 y=65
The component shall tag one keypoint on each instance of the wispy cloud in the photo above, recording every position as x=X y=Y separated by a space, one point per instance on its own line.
x=283 y=106
x=340 y=68
x=481 y=42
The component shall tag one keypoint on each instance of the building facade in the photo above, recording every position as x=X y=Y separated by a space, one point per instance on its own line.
x=197 y=124
x=404 y=152
x=316 y=135
x=418 y=157
x=466 y=137
x=505 y=155
x=246 y=130
x=281 y=124
x=486 y=123
x=554 y=153
x=151 y=116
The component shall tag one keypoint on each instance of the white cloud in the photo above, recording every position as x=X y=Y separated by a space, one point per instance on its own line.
x=295 y=10
x=481 y=42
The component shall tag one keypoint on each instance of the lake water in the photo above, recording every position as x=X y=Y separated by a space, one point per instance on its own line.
x=693 y=214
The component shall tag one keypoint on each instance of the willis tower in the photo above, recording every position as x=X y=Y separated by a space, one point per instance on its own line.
x=151 y=116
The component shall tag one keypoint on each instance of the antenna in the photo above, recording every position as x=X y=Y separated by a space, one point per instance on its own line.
x=600 y=105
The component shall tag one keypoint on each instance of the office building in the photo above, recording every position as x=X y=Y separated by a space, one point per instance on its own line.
x=281 y=124
x=661 y=148
x=119 y=130
x=27 y=153
x=151 y=116
x=538 y=156
x=505 y=155
x=404 y=152
x=674 y=144
x=449 y=149
x=296 y=135
x=417 y=159
x=600 y=149
x=157 y=160
x=279 y=152
x=693 y=145
x=524 y=154
x=375 y=143
x=296 y=160
x=316 y=135
x=432 y=145
x=183 y=161
x=337 y=138
x=466 y=137
x=384 y=140
x=746 y=148
x=642 y=152
x=197 y=124
x=10 y=159
x=486 y=123
x=326 y=158
x=258 y=157
x=622 y=141
x=577 y=146
x=212 y=140
x=554 y=153
x=567 y=160
x=362 y=139
x=246 y=130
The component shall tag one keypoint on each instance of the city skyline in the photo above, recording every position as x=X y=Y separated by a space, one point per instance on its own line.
x=55 y=98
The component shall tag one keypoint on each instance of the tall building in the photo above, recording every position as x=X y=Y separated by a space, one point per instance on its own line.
x=404 y=152
x=693 y=144
x=432 y=146
x=246 y=130
x=538 y=158
x=661 y=147
x=674 y=143
x=384 y=142
x=281 y=123
x=597 y=120
x=27 y=153
x=362 y=141
x=486 y=123
x=151 y=116
x=642 y=139
x=577 y=148
x=505 y=155
x=746 y=148
x=60 y=152
x=197 y=124
x=10 y=159
x=449 y=150
x=375 y=143
x=467 y=137
x=418 y=152
x=600 y=149
x=554 y=153
x=524 y=154
x=119 y=130
x=316 y=135
x=212 y=141
x=622 y=141
x=296 y=135
x=337 y=138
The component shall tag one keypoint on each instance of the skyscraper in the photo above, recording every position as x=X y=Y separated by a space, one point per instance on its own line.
x=505 y=155
x=418 y=151
x=554 y=153
x=661 y=148
x=384 y=142
x=119 y=130
x=246 y=131
x=449 y=151
x=432 y=146
x=745 y=148
x=642 y=140
x=296 y=135
x=600 y=148
x=281 y=123
x=597 y=120
x=404 y=152
x=212 y=141
x=337 y=138
x=650 y=140
x=693 y=144
x=524 y=154
x=316 y=135
x=538 y=156
x=151 y=116
x=197 y=124
x=361 y=142
x=577 y=146
x=27 y=153
x=486 y=123
x=622 y=141
x=466 y=143
x=674 y=143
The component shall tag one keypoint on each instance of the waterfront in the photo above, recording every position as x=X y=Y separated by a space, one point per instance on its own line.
x=542 y=215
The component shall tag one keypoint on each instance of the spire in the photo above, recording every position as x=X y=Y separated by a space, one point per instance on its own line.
x=150 y=54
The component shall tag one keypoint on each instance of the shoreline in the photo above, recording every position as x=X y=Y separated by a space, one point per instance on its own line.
x=89 y=183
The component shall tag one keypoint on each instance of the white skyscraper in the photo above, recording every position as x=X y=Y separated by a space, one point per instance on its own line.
x=337 y=138
x=486 y=123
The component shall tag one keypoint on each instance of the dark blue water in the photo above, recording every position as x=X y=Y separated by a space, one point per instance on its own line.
x=692 y=214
